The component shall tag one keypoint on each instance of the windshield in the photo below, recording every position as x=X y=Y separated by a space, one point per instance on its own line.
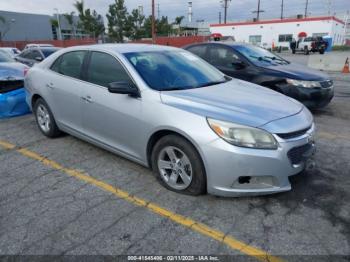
x=4 y=57
x=174 y=70
x=260 y=56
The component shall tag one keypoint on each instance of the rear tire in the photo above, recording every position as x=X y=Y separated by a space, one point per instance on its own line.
x=178 y=166
x=321 y=52
x=293 y=51
x=45 y=120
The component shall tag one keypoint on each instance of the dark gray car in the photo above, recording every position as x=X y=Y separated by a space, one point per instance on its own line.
x=35 y=55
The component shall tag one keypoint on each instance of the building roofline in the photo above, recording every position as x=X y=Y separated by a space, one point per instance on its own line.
x=278 y=21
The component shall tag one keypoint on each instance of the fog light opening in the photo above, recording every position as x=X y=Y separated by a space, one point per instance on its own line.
x=244 y=179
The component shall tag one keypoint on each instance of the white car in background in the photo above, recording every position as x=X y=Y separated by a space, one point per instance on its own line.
x=12 y=51
x=37 y=45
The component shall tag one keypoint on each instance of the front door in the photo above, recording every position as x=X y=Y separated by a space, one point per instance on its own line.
x=228 y=62
x=113 y=119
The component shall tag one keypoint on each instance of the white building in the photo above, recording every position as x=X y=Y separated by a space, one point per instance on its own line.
x=280 y=32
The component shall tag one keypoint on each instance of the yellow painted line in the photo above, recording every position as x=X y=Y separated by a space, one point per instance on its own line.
x=179 y=219
x=6 y=145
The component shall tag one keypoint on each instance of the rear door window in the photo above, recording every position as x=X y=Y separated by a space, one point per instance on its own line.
x=70 y=64
x=105 y=69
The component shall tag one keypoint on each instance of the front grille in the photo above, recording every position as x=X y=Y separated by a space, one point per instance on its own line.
x=326 y=84
x=294 y=134
x=7 y=86
x=296 y=154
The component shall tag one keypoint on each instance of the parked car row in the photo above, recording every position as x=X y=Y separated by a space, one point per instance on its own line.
x=12 y=93
x=199 y=129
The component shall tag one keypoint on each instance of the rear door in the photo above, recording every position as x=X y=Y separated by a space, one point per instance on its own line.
x=65 y=88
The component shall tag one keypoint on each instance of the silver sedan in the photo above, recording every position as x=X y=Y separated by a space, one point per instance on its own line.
x=165 y=108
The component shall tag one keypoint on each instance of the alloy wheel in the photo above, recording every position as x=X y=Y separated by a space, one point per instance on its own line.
x=175 y=168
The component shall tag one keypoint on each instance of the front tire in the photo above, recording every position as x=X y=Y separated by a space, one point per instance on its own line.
x=178 y=166
x=306 y=51
x=45 y=120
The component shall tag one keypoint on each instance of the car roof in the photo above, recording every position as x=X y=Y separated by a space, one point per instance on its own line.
x=230 y=44
x=124 y=48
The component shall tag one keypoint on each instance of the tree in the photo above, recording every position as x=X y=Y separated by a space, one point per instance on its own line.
x=163 y=28
x=118 y=21
x=90 y=20
x=70 y=19
x=178 y=21
x=135 y=25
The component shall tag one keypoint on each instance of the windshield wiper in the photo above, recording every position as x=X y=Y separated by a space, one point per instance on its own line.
x=260 y=58
x=212 y=83
x=276 y=58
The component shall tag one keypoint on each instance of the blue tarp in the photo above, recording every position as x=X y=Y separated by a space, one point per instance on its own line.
x=13 y=103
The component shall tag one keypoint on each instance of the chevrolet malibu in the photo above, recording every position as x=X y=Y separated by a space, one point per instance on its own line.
x=165 y=108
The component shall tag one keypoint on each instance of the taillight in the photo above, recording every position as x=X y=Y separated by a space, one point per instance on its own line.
x=25 y=71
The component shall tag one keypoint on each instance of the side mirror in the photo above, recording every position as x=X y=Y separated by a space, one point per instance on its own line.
x=123 y=87
x=38 y=58
x=239 y=64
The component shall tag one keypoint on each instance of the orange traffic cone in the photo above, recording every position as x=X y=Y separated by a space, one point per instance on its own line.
x=346 y=67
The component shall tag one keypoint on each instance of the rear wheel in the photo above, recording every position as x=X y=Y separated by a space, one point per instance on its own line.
x=321 y=51
x=178 y=165
x=45 y=119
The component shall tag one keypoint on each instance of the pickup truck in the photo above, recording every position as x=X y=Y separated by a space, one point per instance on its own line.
x=309 y=44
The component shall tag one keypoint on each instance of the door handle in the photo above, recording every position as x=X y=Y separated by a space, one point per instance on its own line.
x=87 y=99
x=50 y=85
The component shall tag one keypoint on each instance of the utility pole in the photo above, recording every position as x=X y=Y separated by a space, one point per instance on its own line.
x=219 y=17
x=282 y=9
x=306 y=7
x=258 y=11
x=153 y=25
x=158 y=11
x=225 y=10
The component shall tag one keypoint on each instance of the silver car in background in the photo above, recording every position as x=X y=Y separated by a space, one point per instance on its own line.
x=167 y=109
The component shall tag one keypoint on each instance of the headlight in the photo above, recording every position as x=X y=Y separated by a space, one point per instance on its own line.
x=306 y=84
x=243 y=136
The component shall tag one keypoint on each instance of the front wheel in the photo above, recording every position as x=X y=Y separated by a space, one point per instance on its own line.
x=178 y=165
x=306 y=51
x=45 y=120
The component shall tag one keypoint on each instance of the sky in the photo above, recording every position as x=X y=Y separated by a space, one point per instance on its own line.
x=239 y=10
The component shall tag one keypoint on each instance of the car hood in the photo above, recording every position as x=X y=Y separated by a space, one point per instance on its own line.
x=299 y=72
x=12 y=71
x=235 y=101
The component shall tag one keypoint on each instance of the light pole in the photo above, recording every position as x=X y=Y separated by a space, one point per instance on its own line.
x=153 y=25
x=59 y=24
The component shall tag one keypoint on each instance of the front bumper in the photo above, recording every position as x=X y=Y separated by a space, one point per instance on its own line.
x=311 y=97
x=228 y=167
x=13 y=103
